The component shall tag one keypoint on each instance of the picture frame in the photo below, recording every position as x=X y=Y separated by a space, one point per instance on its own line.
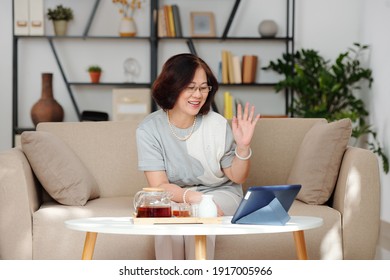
x=202 y=24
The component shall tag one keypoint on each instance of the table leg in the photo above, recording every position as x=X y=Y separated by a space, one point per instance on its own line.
x=200 y=247
x=89 y=245
x=300 y=244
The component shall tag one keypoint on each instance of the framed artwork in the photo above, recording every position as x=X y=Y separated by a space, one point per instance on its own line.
x=202 y=24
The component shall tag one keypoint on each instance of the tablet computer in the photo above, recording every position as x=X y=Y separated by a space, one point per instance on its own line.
x=266 y=205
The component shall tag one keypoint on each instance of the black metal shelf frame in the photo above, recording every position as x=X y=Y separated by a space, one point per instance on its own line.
x=153 y=40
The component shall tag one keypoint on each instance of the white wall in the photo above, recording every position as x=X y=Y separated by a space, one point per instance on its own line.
x=5 y=75
x=328 y=26
x=376 y=17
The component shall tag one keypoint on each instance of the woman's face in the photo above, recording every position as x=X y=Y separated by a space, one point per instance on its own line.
x=192 y=98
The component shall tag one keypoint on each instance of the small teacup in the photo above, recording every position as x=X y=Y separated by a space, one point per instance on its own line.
x=181 y=210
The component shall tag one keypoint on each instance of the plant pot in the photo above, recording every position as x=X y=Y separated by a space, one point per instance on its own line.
x=127 y=27
x=47 y=109
x=60 y=27
x=95 y=77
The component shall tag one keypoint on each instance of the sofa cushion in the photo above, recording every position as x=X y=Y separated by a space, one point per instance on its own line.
x=62 y=174
x=318 y=160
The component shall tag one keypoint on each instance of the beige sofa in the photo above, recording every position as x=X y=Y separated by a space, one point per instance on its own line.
x=32 y=224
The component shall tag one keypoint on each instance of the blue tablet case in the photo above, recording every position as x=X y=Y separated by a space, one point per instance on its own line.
x=266 y=205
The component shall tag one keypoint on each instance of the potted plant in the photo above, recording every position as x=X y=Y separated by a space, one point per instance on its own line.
x=95 y=72
x=324 y=90
x=60 y=16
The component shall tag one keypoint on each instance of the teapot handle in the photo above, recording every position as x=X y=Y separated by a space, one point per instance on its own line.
x=135 y=200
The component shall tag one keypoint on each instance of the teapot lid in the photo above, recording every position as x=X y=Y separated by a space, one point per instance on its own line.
x=153 y=189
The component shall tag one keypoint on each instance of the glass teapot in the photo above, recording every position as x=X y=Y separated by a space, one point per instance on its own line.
x=152 y=203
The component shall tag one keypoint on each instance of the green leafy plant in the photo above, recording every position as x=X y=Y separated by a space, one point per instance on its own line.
x=325 y=90
x=60 y=13
x=94 y=68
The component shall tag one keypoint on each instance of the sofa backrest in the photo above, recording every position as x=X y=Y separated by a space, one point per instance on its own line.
x=274 y=146
x=109 y=151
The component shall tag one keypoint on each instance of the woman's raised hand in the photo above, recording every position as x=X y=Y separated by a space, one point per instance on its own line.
x=244 y=124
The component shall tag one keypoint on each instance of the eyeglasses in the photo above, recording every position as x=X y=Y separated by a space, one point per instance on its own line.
x=202 y=89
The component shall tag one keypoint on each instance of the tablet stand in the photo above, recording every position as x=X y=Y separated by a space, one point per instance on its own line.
x=271 y=214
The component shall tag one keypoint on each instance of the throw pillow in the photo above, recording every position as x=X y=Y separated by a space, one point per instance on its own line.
x=317 y=163
x=61 y=173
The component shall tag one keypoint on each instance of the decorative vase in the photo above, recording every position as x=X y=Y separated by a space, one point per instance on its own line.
x=47 y=109
x=127 y=27
x=60 y=27
x=95 y=77
x=207 y=207
x=268 y=28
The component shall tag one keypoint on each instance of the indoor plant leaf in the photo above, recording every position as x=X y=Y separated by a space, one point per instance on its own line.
x=324 y=90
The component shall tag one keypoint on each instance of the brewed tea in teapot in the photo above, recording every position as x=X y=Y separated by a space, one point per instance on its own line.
x=152 y=203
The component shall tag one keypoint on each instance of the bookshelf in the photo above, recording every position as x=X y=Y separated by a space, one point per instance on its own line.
x=155 y=53
x=228 y=36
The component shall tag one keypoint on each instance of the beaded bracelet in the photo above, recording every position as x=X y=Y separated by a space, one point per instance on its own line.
x=184 y=195
x=243 y=158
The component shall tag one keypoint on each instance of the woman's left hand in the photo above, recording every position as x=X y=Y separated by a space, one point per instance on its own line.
x=243 y=125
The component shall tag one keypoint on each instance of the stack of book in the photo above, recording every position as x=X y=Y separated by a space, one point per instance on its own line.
x=169 y=23
x=236 y=72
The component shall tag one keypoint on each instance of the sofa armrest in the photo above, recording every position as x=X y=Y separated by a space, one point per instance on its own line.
x=19 y=198
x=357 y=197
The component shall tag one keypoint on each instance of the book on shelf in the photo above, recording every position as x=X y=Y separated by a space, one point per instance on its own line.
x=176 y=20
x=161 y=26
x=230 y=105
x=225 y=69
x=237 y=69
x=231 y=68
x=169 y=23
x=249 y=69
x=168 y=26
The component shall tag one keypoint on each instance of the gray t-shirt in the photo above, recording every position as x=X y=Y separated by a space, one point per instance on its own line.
x=197 y=161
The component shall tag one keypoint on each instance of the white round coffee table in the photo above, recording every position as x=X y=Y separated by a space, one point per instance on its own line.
x=125 y=225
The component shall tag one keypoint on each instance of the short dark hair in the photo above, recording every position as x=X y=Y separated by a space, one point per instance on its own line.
x=177 y=73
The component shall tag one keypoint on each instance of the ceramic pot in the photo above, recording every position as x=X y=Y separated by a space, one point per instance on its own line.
x=47 y=109
x=95 y=77
x=60 y=27
x=127 y=27
x=268 y=28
